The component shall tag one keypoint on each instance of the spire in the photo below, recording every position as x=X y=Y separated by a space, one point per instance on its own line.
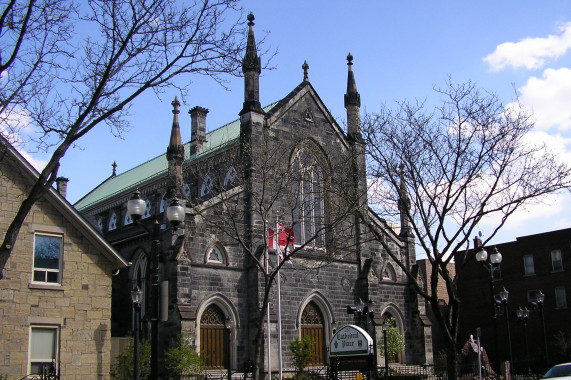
x=114 y=165
x=352 y=97
x=352 y=105
x=305 y=68
x=175 y=150
x=251 y=67
x=175 y=156
x=251 y=61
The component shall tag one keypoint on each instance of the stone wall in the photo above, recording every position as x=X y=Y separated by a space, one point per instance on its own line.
x=80 y=307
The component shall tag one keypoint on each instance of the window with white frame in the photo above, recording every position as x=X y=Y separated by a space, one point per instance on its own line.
x=309 y=208
x=560 y=297
x=528 y=267
x=43 y=350
x=556 y=260
x=47 y=258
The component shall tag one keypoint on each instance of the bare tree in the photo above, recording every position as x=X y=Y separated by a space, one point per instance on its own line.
x=276 y=185
x=66 y=68
x=446 y=169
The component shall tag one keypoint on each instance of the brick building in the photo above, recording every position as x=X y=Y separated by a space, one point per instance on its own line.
x=529 y=265
x=223 y=175
x=55 y=292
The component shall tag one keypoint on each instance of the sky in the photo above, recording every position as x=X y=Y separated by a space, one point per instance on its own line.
x=401 y=50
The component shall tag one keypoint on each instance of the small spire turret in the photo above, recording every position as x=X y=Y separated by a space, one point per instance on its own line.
x=251 y=67
x=175 y=150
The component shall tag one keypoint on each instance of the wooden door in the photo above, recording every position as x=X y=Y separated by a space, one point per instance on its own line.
x=213 y=338
x=312 y=326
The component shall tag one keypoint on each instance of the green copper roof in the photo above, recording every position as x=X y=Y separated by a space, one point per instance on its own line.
x=158 y=166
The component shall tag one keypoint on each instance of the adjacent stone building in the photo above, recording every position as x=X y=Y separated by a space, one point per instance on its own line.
x=289 y=161
x=55 y=292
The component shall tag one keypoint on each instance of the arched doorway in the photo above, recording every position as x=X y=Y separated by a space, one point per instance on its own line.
x=312 y=325
x=395 y=337
x=213 y=341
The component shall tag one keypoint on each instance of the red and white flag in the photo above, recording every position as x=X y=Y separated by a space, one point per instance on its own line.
x=285 y=238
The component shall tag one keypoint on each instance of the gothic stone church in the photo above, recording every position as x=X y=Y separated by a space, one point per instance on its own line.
x=289 y=161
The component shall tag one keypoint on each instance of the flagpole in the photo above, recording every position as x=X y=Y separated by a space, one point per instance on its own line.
x=268 y=320
x=276 y=245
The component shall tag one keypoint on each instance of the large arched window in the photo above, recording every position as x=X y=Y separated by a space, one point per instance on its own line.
x=213 y=341
x=312 y=325
x=308 y=212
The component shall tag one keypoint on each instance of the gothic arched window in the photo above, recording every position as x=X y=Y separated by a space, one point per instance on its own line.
x=112 y=222
x=308 y=213
x=206 y=187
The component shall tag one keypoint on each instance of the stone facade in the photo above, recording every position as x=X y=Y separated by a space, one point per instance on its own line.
x=234 y=182
x=75 y=308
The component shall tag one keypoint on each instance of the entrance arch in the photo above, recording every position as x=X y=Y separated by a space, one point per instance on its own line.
x=213 y=341
x=312 y=325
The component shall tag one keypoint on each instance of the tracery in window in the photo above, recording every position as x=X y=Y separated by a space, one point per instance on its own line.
x=389 y=273
x=230 y=176
x=112 y=222
x=216 y=254
x=206 y=186
x=128 y=219
x=187 y=191
x=308 y=212
x=147 y=210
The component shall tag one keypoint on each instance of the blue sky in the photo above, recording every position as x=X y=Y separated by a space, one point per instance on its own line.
x=401 y=50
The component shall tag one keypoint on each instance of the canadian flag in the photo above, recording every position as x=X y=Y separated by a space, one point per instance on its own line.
x=285 y=238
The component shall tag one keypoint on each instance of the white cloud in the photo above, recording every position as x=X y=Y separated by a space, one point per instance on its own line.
x=531 y=53
x=548 y=98
x=36 y=162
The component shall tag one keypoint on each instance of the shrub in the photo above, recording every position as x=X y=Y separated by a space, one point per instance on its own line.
x=395 y=340
x=301 y=352
x=123 y=367
x=182 y=359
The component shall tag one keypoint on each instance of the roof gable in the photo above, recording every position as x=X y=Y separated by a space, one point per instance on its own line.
x=65 y=208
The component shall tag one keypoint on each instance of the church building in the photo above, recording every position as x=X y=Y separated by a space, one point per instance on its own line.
x=285 y=165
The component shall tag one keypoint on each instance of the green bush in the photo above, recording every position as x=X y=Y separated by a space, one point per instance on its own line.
x=123 y=367
x=182 y=359
x=301 y=353
x=395 y=340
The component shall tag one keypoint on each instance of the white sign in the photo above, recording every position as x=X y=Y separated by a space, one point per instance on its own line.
x=351 y=340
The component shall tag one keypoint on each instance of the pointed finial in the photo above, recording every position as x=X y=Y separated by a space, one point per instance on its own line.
x=175 y=103
x=305 y=68
x=114 y=165
x=349 y=59
x=251 y=19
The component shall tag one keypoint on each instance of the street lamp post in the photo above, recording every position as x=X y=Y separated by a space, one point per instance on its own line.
x=228 y=353
x=522 y=316
x=136 y=296
x=136 y=207
x=540 y=298
x=504 y=295
x=493 y=268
